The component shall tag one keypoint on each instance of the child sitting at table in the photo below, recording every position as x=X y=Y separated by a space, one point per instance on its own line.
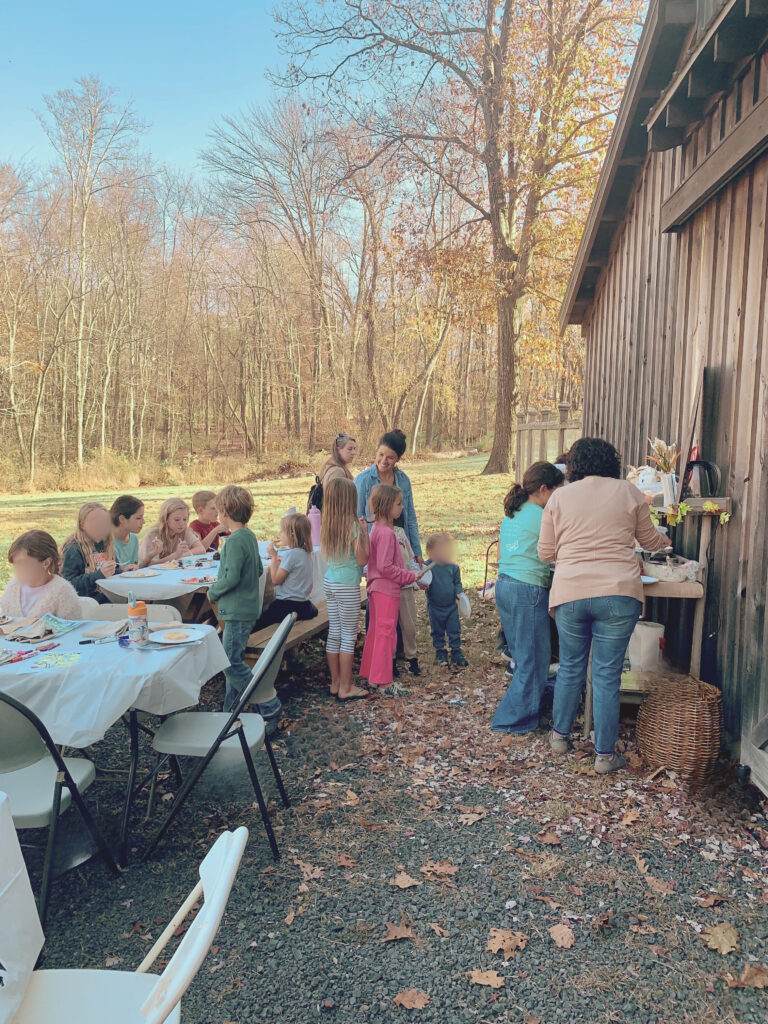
x=171 y=537
x=89 y=552
x=206 y=527
x=291 y=570
x=36 y=587
x=441 y=600
x=127 y=515
x=236 y=591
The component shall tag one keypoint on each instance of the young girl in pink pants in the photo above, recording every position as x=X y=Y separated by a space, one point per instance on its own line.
x=386 y=575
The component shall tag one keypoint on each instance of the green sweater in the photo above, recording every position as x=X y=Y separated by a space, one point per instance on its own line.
x=236 y=591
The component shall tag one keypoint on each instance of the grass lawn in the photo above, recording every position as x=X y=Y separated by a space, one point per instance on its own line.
x=449 y=495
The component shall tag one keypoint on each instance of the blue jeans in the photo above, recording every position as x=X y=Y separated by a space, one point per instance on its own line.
x=524 y=613
x=238 y=675
x=605 y=624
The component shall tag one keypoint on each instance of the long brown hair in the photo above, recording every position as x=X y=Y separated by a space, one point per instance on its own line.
x=38 y=545
x=540 y=474
x=169 y=506
x=83 y=541
x=337 y=529
x=298 y=530
x=335 y=459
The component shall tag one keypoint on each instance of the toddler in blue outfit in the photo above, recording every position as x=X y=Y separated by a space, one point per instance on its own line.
x=441 y=600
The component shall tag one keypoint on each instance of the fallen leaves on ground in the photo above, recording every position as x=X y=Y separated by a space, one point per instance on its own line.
x=753 y=976
x=548 y=838
x=438 y=929
x=659 y=885
x=562 y=935
x=471 y=815
x=630 y=817
x=506 y=942
x=438 y=870
x=395 y=932
x=723 y=937
x=345 y=861
x=412 y=999
x=308 y=871
x=403 y=880
x=490 y=978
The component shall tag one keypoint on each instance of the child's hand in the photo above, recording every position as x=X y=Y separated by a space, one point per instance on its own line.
x=157 y=547
x=423 y=586
x=108 y=569
x=363 y=522
x=129 y=568
x=271 y=549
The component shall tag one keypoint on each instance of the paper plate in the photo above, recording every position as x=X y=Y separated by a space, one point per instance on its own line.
x=649 y=579
x=426 y=579
x=171 y=637
x=171 y=565
x=464 y=606
x=139 y=574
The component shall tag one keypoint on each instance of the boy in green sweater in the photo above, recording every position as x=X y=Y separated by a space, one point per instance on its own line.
x=237 y=589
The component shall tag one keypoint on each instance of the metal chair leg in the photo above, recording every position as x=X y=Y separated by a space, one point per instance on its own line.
x=276 y=772
x=45 y=885
x=259 y=797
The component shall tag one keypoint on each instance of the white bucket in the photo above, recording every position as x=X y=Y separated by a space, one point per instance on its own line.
x=644 y=652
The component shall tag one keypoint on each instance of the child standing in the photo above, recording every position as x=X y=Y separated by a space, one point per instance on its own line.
x=441 y=600
x=386 y=576
x=291 y=571
x=407 y=618
x=127 y=515
x=237 y=588
x=36 y=587
x=206 y=527
x=89 y=552
x=344 y=544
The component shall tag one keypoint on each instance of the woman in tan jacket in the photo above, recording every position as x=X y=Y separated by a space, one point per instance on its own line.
x=589 y=530
x=341 y=458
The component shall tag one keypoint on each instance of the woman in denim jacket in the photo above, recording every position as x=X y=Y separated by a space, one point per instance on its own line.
x=384 y=471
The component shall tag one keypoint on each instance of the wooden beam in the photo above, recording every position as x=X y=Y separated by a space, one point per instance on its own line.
x=756 y=9
x=734 y=41
x=682 y=112
x=744 y=144
x=679 y=12
x=661 y=138
x=704 y=83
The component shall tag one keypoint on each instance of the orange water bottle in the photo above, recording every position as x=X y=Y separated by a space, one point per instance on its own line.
x=138 y=624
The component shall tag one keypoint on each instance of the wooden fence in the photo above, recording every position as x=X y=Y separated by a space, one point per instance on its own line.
x=535 y=430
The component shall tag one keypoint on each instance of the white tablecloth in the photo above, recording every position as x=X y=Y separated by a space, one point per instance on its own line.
x=78 y=703
x=21 y=937
x=167 y=584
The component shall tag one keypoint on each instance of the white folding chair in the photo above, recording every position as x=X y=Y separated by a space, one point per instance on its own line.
x=115 y=612
x=202 y=734
x=88 y=605
x=41 y=784
x=122 y=997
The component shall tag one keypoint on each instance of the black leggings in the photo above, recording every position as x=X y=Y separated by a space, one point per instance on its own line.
x=281 y=607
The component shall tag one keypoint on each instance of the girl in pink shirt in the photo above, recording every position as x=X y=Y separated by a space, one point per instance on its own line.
x=386 y=575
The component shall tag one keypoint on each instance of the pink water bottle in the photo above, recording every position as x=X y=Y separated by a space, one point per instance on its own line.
x=314 y=520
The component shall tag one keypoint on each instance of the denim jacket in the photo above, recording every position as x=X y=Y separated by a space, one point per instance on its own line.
x=367 y=480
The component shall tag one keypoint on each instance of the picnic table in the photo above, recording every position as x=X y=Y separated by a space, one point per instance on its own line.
x=80 y=691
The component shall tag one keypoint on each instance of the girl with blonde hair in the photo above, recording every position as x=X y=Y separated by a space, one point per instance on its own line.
x=291 y=570
x=171 y=536
x=89 y=552
x=344 y=545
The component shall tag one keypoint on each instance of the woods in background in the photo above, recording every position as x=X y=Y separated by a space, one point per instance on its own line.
x=357 y=262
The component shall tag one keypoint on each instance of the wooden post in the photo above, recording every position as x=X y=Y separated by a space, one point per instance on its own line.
x=533 y=415
x=519 y=444
x=545 y=414
x=701 y=604
x=563 y=409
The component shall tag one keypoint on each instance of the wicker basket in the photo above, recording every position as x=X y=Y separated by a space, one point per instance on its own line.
x=678 y=726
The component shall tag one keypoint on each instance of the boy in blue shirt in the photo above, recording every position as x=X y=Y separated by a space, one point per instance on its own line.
x=441 y=600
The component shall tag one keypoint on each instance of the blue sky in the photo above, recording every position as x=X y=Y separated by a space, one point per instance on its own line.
x=182 y=63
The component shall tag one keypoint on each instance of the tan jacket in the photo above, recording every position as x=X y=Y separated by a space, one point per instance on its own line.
x=589 y=530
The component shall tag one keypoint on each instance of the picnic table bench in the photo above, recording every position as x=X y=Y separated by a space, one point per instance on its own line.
x=302 y=630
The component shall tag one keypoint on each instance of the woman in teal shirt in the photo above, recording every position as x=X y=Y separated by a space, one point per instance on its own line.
x=522 y=598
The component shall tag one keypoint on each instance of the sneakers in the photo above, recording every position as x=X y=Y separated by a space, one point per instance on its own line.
x=413 y=666
x=271 y=711
x=441 y=657
x=558 y=744
x=605 y=763
x=458 y=659
x=395 y=690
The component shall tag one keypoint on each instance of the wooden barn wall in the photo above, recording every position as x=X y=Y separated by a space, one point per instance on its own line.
x=665 y=305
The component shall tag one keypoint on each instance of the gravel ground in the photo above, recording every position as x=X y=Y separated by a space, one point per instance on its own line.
x=608 y=892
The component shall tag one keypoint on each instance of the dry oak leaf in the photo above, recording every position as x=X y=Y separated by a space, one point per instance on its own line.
x=403 y=880
x=438 y=869
x=506 y=942
x=548 y=837
x=643 y=929
x=753 y=976
x=308 y=871
x=438 y=929
x=709 y=899
x=345 y=861
x=412 y=999
x=659 y=885
x=490 y=978
x=471 y=815
x=290 y=917
x=723 y=938
x=642 y=864
x=630 y=817
x=528 y=1018
x=352 y=799
x=397 y=931
x=562 y=936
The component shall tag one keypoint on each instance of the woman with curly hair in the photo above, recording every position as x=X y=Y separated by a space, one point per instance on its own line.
x=589 y=530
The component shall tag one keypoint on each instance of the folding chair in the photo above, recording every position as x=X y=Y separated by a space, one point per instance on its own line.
x=122 y=997
x=115 y=612
x=202 y=734
x=41 y=784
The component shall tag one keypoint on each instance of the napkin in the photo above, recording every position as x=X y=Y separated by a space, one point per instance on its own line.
x=10 y=627
x=105 y=629
x=37 y=630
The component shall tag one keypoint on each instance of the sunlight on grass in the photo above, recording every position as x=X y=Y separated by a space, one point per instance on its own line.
x=449 y=495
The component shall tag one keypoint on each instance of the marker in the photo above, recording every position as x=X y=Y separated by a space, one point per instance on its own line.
x=100 y=640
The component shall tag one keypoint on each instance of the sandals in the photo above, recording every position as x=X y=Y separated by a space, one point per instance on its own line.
x=356 y=694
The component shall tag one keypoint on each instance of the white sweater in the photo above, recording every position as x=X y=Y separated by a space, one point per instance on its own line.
x=58 y=597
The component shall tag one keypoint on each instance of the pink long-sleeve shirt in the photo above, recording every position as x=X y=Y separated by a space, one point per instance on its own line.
x=386 y=572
